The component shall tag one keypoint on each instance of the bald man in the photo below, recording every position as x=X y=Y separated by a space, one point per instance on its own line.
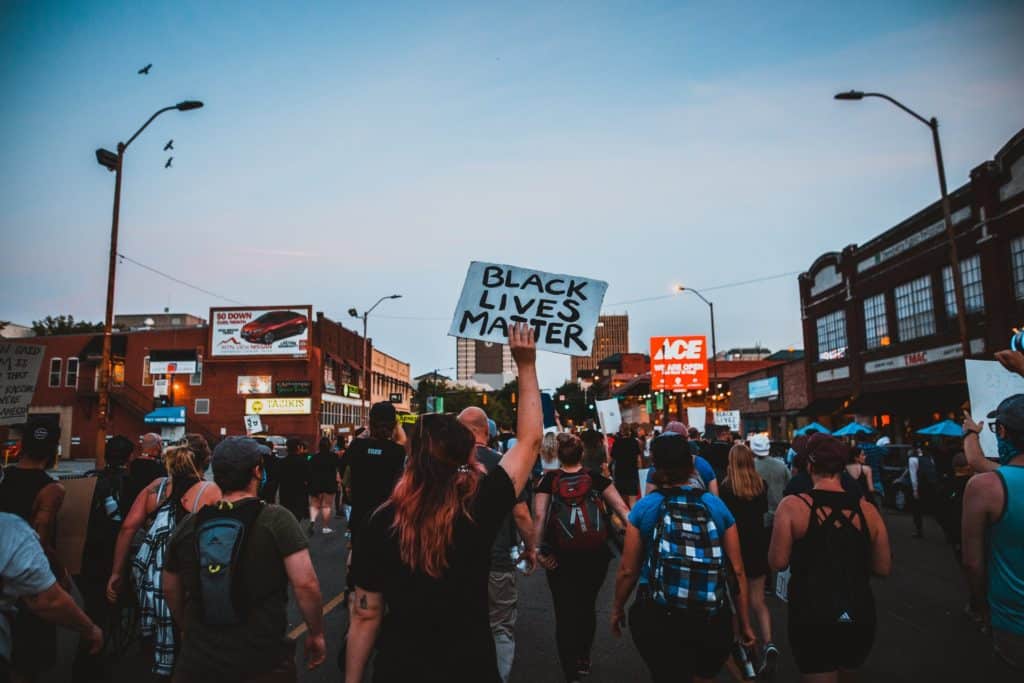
x=502 y=591
x=142 y=469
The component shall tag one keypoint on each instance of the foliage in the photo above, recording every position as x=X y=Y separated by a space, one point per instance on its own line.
x=579 y=404
x=63 y=324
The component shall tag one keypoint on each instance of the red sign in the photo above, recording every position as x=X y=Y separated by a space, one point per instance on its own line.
x=679 y=363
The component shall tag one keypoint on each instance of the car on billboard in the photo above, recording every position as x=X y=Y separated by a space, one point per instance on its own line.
x=274 y=325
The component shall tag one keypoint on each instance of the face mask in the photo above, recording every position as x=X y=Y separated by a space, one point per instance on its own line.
x=1007 y=451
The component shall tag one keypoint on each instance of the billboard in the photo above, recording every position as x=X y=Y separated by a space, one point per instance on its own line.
x=679 y=363
x=278 y=406
x=253 y=384
x=763 y=388
x=260 y=331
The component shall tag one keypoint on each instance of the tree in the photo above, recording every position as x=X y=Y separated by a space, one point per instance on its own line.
x=63 y=324
x=572 y=404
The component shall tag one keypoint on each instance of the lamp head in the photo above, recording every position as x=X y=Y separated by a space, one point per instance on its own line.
x=395 y=296
x=680 y=288
x=188 y=104
x=353 y=312
x=106 y=159
x=850 y=95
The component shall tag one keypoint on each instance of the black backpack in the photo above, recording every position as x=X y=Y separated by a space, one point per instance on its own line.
x=222 y=533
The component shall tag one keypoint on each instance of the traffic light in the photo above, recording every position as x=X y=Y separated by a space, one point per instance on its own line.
x=566 y=406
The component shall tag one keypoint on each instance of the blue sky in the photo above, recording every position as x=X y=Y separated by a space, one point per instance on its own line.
x=352 y=150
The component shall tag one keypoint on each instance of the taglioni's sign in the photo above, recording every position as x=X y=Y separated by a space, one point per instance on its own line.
x=563 y=309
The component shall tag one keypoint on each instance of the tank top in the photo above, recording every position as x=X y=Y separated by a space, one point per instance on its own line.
x=1006 y=567
x=831 y=564
x=19 y=489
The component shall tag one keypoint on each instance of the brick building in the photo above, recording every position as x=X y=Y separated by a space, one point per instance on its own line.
x=388 y=376
x=772 y=399
x=611 y=337
x=879 y=319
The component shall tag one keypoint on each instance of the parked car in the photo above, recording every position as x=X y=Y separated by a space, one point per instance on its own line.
x=274 y=325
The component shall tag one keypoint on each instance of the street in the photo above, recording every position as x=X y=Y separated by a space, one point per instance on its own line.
x=923 y=634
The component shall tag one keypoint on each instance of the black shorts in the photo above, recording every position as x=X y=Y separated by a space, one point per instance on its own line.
x=677 y=645
x=822 y=648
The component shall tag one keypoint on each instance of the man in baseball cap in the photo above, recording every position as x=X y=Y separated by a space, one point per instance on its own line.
x=40 y=437
x=772 y=470
x=704 y=474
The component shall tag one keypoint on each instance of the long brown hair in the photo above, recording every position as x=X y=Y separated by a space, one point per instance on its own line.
x=180 y=462
x=741 y=475
x=438 y=486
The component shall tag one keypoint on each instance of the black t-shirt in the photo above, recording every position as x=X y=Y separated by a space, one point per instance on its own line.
x=141 y=472
x=437 y=629
x=103 y=525
x=501 y=560
x=625 y=452
x=546 y=485
x=717 y=455
x=292 y=474
x=375 y=466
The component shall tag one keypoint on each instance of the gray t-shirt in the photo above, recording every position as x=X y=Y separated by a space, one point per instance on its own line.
x=501 y=560
x=776 y=475
x=24 y=570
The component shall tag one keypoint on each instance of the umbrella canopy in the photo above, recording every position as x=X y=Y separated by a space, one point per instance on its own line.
x=944 y=428
x=813 y=427
x=853 y=429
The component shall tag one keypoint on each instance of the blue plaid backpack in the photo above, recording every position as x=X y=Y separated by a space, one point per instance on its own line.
x=686 y=563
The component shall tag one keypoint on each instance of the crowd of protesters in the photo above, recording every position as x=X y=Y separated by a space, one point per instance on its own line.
x=442 y=521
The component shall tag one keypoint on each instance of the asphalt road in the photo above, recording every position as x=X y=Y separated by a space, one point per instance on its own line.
x=922 y=635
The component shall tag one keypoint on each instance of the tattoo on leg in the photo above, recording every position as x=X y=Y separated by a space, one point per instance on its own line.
x=362 y=602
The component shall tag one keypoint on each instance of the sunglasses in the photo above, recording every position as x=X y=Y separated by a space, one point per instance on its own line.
x=993 y=426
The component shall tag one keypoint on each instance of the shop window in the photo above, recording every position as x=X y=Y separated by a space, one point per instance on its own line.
x=55 y=368
x=1017 y=253
x=202 y=406
x=915 y=311
x=147 y=379
x=196 y=378
x=974 y=296
x=71 y=376
x=876 y=326
x=832 y=336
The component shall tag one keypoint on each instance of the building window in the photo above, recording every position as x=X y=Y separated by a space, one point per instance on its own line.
x=832 y=336
x=117 y=374
x=147 y=379
x=974 y=296
x=1017 y=253
x=915 y=312
x=876 y=326
x=71 y=378
x=202 y=406
x=196 y=378
x=55 y=367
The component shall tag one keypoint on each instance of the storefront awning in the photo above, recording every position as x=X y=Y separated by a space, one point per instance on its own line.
x=168 y=415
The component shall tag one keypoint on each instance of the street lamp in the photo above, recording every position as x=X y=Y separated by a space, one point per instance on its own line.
x=115 y=162
x=954 y=259
x=366 y=361
x=714 y=342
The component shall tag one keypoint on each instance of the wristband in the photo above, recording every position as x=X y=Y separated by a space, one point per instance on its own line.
x=975 y=432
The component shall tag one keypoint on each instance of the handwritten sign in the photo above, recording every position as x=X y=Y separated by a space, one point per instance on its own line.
x=988 y=383
x=19 y=369
x=563 y=309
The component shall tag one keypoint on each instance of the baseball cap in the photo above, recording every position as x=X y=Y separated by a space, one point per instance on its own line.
x=237 y=453
x=1010 y=413
x=760 y=444
x=119 y=449
x=40 y=436
x=827 y=451
x=384 y=411
x=669 y=453
x=676 y=427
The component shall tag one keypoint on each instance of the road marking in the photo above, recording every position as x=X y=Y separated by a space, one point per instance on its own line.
x=329 y=607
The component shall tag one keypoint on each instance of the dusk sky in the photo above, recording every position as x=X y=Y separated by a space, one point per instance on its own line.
x=348 y=151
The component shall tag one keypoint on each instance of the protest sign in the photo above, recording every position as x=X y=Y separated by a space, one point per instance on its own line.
x=728 y=418
x=988 y=383
x=563 y=309
x=609 y=415
x=697 y=417
x=253 y=424
x=19 y=368
x=679 y=363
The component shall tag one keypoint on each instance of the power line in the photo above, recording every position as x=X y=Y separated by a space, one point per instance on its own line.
x=179 y=281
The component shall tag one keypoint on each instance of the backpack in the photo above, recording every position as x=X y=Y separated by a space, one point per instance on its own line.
x=576 y=515
x=222 y=533
x=686 y=563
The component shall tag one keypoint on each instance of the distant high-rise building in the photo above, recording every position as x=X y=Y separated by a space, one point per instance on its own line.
x=484 y=362
x=612 y=336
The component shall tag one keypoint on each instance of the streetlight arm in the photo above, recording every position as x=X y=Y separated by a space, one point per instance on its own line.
x=125 y=145
x=901 y=106
x=699 y=295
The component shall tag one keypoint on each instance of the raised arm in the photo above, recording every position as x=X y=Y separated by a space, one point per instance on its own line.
x=518 y=461
x=972 y=446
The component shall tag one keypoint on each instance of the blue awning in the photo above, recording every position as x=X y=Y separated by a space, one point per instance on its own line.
x=168 y=415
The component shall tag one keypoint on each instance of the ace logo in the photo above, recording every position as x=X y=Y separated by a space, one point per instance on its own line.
x=679 y=363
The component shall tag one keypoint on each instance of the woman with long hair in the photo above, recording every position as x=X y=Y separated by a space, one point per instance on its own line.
x=859 y=471
x=745 y=493
x=575 y=554
x=162 y=505
x=323 y=484
x=549 y=453
x=425 y=553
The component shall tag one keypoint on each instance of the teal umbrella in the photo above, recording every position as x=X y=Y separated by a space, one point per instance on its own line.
x=813 y=427
x=853 y=429
x=944 y=428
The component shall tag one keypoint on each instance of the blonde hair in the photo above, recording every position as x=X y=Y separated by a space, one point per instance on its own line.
x=741 y=475
x=549 y=447
x=180 y=462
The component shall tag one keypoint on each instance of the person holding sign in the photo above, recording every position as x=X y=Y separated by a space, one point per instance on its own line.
x=426 y=553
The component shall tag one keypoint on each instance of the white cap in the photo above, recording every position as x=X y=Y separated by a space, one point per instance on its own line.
x=883 y=441
x=760 y=445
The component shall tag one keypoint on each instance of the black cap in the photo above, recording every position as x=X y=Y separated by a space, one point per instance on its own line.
x=237 y=453
x=669 y=451
x=119 y=449
x=1010 y=413
x=383 y=412
x=40 y=436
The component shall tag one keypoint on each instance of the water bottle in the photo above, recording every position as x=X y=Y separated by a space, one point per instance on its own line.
x=112 y=509
x=516 y=553
x=742 y=658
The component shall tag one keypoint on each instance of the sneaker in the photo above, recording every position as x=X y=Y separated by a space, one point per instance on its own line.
x=583 y=666
x=327 y=530
x=769 y=661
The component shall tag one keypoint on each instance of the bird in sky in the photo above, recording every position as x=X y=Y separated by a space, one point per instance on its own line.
x=145 y=70
x=169 y=160
x=169 y=145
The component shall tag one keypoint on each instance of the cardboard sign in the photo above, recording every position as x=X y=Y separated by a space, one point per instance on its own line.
x=19 y=369
x=253 y=424
x=679 y=363
x=609 y=415
x=697 y=417
x=563 y=309
x=73 y=521
x=728 y=418
x=988 y=383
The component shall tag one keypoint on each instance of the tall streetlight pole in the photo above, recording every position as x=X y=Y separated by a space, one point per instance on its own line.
x=115 y=162
x=714 y=342
x=366 y=361
x=954 y=258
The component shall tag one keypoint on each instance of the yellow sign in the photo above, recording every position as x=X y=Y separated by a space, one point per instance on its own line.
x=278 y=406
x=409 y=419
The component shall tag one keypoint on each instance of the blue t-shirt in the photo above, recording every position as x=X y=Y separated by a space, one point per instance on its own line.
x=702 y=467
x=647 y=512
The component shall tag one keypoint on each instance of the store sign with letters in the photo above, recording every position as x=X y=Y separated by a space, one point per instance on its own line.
x=910 y=360
x=679 y=363
x=278 y=406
